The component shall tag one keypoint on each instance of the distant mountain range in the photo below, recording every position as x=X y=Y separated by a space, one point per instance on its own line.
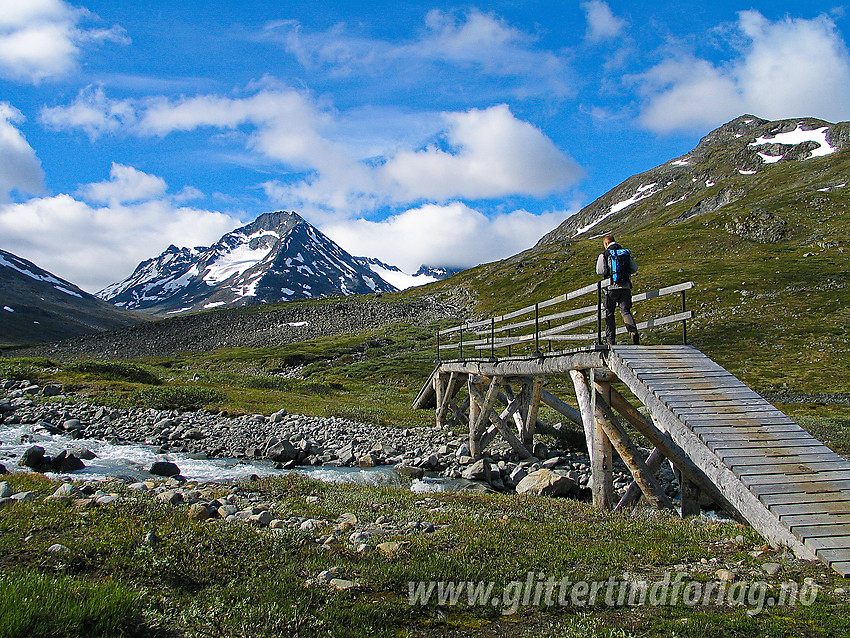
x=38 y=306
x=277 y=257
x=401 y=280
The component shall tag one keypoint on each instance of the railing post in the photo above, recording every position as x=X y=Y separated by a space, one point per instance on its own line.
x=548 y=328
x=537 y=329
x=599 y=313
x=509 y=342
x=684 y=323
x=492 y=338
x=460 y=355
x=438 y=347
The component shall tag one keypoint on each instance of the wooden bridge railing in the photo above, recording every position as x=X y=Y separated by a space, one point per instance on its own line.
x=527 y=328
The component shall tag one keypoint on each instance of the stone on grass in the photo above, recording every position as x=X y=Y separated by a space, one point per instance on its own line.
x=771 y=569
x=172 y=497
x=198 y=512
x=57 y=548
x=342 y=584
x=347 y=519
x=389 y=549
x=5 y=490
x=67 y=490
x=725 y=575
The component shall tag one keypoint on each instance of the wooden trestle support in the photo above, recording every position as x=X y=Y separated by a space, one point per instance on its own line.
x=508 y=405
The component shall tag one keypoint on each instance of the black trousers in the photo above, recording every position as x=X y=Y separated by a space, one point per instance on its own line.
x=621 y=297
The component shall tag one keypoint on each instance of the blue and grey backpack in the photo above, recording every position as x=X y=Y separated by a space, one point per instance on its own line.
x=621 y=269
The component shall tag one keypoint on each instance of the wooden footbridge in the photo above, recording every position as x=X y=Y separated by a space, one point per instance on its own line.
x=724 y=440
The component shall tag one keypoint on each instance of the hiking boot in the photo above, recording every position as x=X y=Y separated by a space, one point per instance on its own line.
x=635 y=337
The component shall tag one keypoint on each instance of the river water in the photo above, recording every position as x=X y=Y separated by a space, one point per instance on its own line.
x=131 y=461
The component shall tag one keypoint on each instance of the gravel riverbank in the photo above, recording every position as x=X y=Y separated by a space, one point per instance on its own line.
x=290 y=441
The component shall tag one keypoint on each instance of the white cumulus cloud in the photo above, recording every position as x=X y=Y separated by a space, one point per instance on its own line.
x=42 y=38
x=92 y=112
x=788 y=68
x=20 y=169
x=125 y=184
x=492 y=154
x=602 y=24
x=484 y=153
x=102 y=244
x=452 y=235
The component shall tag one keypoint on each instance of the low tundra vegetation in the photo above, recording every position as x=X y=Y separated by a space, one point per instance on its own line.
x=233 y=579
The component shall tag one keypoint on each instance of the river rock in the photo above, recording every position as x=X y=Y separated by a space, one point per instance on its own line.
x=3 y=469
x=280 y=450
x=66 y=462
x=478 y=471
x=545 y=482
x=409 y=471
x=367 y=461
x=51 y=390
x=84 y=453
x=72 y=425
x=164 y=468
x=33 y=458
x=346 y=455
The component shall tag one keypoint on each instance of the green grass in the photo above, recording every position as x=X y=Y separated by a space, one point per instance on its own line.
x=29 y=368
x=114 y=370
x=60 y=605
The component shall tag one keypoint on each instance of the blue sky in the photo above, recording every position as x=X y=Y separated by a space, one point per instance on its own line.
x=416 y=132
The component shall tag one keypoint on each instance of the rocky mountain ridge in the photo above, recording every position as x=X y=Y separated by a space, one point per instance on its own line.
x=37 y=306
x=725 y=165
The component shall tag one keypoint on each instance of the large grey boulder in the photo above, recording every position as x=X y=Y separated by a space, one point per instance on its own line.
x=281 y=451
x=478 y=471
x=545 y=482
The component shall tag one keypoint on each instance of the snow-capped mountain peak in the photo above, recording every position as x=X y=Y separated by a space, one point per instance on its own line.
x=277 y=257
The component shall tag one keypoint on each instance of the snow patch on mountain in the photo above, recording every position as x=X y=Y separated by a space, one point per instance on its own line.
x=643 y=191
x=247 y=253
x=798 y=136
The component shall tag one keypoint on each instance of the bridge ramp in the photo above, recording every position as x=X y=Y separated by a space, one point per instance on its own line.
x=783 y=481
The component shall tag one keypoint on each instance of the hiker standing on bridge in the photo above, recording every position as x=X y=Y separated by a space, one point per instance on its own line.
x=617 y=263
